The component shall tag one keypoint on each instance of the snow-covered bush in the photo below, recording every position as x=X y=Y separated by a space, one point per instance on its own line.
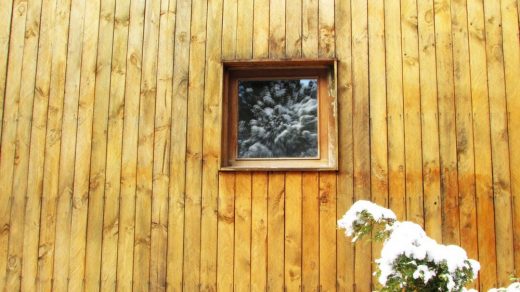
x=410 y=260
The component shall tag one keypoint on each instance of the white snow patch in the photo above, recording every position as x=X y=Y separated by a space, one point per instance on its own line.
x=351 y=217
x=424 y=273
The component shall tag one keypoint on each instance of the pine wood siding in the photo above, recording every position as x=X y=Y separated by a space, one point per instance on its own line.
x=109 y=126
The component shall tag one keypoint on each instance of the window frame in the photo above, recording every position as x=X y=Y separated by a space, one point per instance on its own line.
x=324 y=70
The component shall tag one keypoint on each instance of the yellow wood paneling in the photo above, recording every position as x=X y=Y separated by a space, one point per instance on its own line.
x=110 y=140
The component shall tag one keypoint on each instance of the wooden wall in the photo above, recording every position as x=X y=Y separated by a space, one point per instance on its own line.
x=109 y=141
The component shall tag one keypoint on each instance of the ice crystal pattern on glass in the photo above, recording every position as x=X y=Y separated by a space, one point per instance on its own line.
x=277 y=118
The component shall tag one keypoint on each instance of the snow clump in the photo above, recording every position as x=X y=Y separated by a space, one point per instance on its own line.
x=354 y=218
x=410 y=260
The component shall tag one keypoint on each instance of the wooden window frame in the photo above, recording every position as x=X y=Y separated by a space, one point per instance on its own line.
x=324 y=70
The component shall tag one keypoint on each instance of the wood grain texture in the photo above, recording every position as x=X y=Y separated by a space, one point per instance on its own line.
x=361 y=132
x=482 y=138
x=345 y=192
x=511 y=47
x=447 y=122
x=499 y=141
x=23 y=132
x=311 y=232
x=210 y=148
x=144 y=171
x=130 y=151
x=96 y=187
x=277 y=37
x=112 y=195
x=80 y=194
x=395 y=109
x=5 y=33
x=110 y=141
x=293 y=231
x=176 y=203
x=52 y=148
x=464 y=128
x=37 y=148
x=327 y=205
x=412 y=105
x=226 y=232
x=9 y=126
x=68 y=145
x=161 y=144
x=242 y=255
x=275 y=231
x=429 y=121
x=259 y=231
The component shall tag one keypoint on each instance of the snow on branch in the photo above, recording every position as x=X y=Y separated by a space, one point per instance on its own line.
x=410 y=260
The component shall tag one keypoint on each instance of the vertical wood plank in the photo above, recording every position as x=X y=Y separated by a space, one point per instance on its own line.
x=394 y=99
x=226 y=197
x=311 y=232
x=37 y=148
x=112 y=195
x=259 y=179
x=293 y=28
x=293 y=231
x=361 y=132
x=178 y=147
x=327 y=39
x=244 y=29
x=277 y=29
x=229 y=29
x=80 y=195
x=327 y=199
x=194 y=146
x=260 y=29
x=447 y=127
x=378 y=110
x=242 y=257
x=275 y=231
x=259 y=232
x=310 y=31
x=345 y=192
x=96 y=187
x=161 y=153
x=510 y=30
x=499 y=142
x=511 y=42
x=68 y=146
x=465 y=154
x=52 y=147
x=327 y=195
x=22 y=142
x=293 y=183
x=481 y=133
x=226 y=231
x=144 y=172
x=9 y=125
x=211 y=147
x=129 y=155
x=429 y=121
x=412 y=107
x=5 y=33
x=242 y=237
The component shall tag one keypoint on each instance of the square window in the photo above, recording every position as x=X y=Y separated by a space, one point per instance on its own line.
x=279 y=115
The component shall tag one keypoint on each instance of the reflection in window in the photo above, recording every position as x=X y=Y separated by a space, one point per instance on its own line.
x=277 y=118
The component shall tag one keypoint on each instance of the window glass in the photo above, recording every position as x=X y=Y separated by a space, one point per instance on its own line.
x=277 y=118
